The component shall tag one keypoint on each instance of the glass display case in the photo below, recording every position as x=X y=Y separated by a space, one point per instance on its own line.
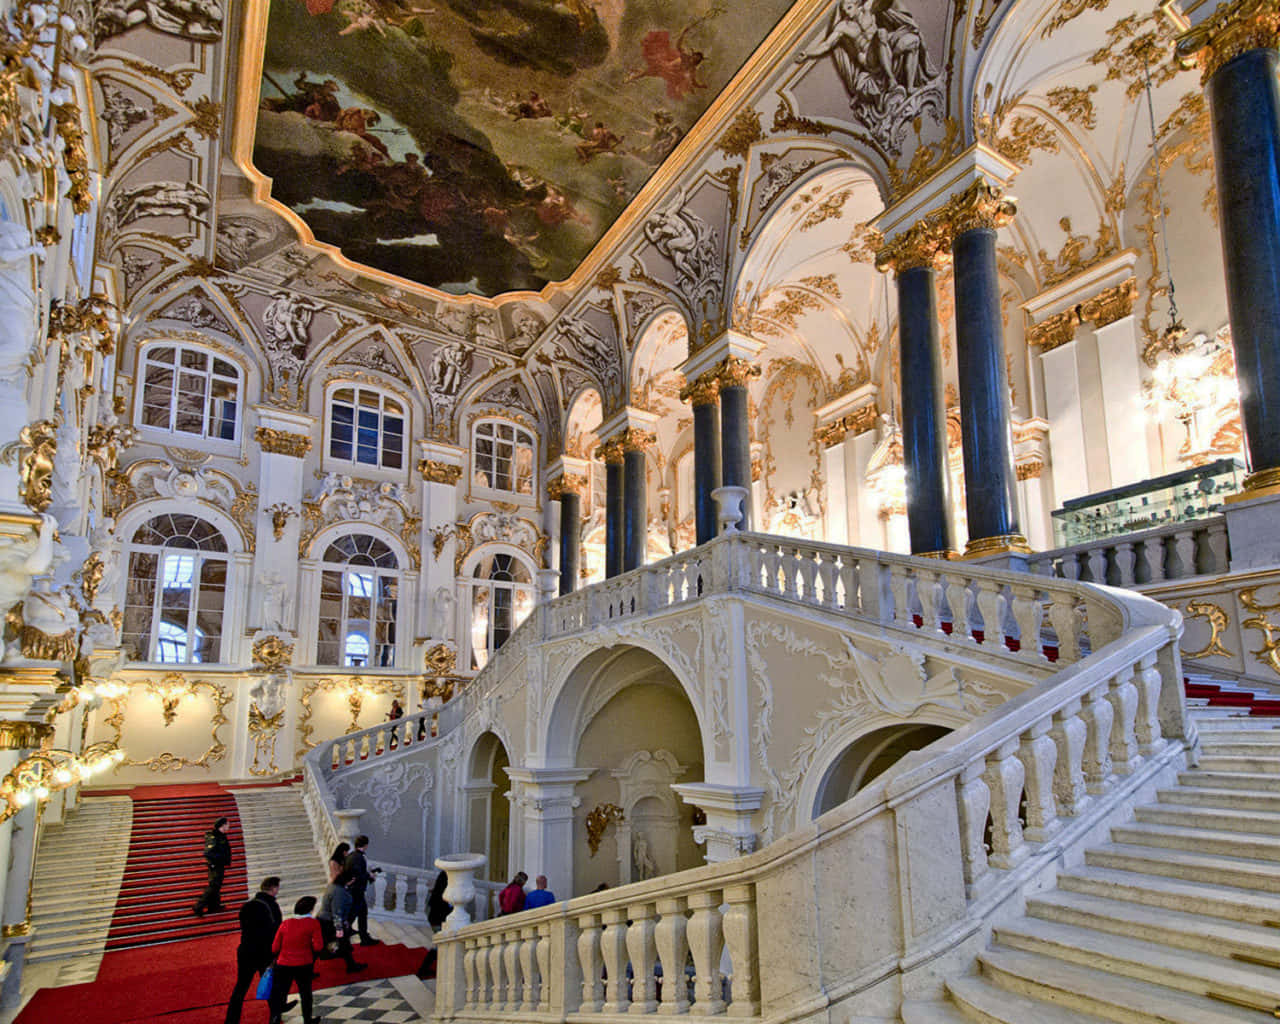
x=1194 y=493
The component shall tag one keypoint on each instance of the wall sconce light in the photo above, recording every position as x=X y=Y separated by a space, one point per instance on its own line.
x=39 y=775
x=171 y=689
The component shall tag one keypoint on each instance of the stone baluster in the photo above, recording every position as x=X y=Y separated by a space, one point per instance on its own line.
x=1039 y=755
x=1123 y=697
x=1154 y=548
x=497 y=984
x=475 y=994
x=1062 y=617
x=958 y=599
x=1097 y=714
x=850 y=599
x=643 y=951
x=511 y=970
x=1218 y=547
x=974 y=803
x=1146 y=724
x=991 y=607
x=422 y=889
x=1070 y=568
x=899 y=586
x=706 y=942
x=589 y=961
x=402 y=892
x=828 y=573
x=808 y=573
x=542 y=953
x=1097 y=562
x=744 y=952
x=529 y=968
x=929 y=591
x=613 y=947
x=1069 y=734
x=1028 y=613
x=673 y=948
x=1126 y=561
x=380 y=890
x=1184 y=549
x=1004 y=776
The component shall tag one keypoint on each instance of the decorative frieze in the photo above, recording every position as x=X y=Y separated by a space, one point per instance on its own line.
x=281 y=442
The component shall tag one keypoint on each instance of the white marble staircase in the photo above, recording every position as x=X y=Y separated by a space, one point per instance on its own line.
x=1176 y=920
x=278 y=841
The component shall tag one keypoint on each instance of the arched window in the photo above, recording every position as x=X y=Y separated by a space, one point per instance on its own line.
x=366 y=428
x=501 y=599
x=176 y=592
x=502 y=457
x=359 y=585
x=188 y=390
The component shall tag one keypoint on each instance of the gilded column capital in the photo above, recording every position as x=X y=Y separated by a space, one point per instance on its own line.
x=735 y=372
x=281 y=442
x=1054 y=331
x=567 y=484
x=439 y=472
x=18 y=734
x=925 y=244
x=610 y=453
x=981 y=205
x=1234 y=28
x=703 y=390
x=1111 y=304
x=635 y=440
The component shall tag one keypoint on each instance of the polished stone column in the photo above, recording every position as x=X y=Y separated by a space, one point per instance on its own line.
x=924 y=420
x=704 y=395
x=1236 y=46
x=611 y=454
x=635 y=517
x=568 y=491
x=735 y=428
x=991 y=495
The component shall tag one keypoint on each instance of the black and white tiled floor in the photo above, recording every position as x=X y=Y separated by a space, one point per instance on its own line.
x=386 y=1001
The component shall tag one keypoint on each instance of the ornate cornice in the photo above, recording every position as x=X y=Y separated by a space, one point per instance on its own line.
x=735 y=372
x=22 y=735
x=926 y=244
x=702 y=391
x=439 y=472
x=981 y=205
x=1112 y=304
x=281 y=442
x=567 y=484
x=1054 y=331
x=1233 y=29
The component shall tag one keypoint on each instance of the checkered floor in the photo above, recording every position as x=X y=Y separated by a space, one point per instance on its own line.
x=378 y=1002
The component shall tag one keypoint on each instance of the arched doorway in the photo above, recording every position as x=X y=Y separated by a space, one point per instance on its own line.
x=624 y=720
x=488 y=809
x=869 y=757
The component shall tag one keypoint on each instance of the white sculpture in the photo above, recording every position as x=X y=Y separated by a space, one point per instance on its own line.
x=443 y=605
x=643 y=859
x=17 y=299
x=275 y=602
x=690 y=243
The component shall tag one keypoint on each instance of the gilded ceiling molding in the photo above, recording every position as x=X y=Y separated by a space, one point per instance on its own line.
x=1111 y=304
x=439 y=472
x=1068 y=10
x=1054 y=331
x=281 y=442
x=1075 y=104
x=743 y=132
x=1234 y=28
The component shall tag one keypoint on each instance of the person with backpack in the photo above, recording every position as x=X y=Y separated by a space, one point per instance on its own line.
x=217 y=858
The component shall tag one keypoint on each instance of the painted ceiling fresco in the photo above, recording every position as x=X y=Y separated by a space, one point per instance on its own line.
x=485 y=145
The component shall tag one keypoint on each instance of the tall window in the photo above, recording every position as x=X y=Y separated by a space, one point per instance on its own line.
x=358 y=592
x=190 y=391
x=176 y=592
x=502 y=457
x=501 y=599
x=366 y=428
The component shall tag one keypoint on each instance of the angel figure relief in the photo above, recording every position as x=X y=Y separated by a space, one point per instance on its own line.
x=690 y=243
x=884 y=64
x=676 y=64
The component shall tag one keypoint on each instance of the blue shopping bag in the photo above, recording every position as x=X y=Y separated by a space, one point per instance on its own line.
x=264 y=984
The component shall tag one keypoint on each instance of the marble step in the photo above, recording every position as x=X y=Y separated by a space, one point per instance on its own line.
x=1230 y=844
x=981 y=1000
x=1234 y=904
x=1112 y=997
x=1142 y=961
x=932 y=1013
x=1174 y=928
x=1261 y=765
x=1193 y=866
x=1212 y=818
x=1227 y=780
x=1216 y=746
x=1239 y=723
x=1229 y=799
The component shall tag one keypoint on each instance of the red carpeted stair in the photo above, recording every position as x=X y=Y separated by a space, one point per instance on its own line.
x=165 y=872
x=1247 y=701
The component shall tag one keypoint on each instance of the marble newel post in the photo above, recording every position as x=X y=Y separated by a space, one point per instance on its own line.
x=913 y=255
x=1236 y=46
x=704 y=396
x=991 y=497
x=610 y=453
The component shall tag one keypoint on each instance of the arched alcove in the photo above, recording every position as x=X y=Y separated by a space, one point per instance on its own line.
x=488 y=809
x=870 y=756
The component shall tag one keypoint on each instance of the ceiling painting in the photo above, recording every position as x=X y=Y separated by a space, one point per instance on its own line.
x=484 y=146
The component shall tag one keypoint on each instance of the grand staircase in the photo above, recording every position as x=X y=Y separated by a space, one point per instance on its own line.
x=278 y=841
x=1175 y=920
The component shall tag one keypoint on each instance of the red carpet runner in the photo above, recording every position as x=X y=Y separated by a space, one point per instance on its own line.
x=165 y=871
x=1257 y=706
x=188 y=983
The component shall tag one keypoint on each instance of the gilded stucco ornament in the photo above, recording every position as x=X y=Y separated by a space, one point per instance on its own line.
x=439 y=472
x=569 y=483
x=166 y=761
x=1111 y=304
x=610 y=452
x=981 y=205
x=281 y=512
x=1218 y=620
x=736 y=372
x=281 y=442
x=1269 y=653
x=702 y=391
x=598 y=820
x=1231 y=30
x=34 y=451
x=263 y=729
x=1054 y=331
x=18 y=734
x=635 y=440
x=272 y=652
x=924 y=244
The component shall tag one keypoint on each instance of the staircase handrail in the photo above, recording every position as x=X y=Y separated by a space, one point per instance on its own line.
x=1199 y=547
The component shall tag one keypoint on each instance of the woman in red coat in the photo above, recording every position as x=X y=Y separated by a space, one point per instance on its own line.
x=297 y=944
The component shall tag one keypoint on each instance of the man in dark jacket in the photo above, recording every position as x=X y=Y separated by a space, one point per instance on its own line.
x=334 y=916
x=217 y=858
x=259 y=919
x=361 y=876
